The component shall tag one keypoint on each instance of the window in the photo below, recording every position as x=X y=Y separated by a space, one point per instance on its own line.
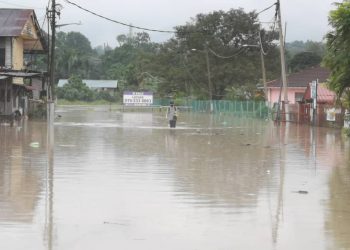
x=299 y=97
x=2 y=57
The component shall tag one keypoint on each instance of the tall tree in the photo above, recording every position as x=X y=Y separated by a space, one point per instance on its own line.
x=338 y=48
x=74 y=55
x=223 y=37
x=304 y=60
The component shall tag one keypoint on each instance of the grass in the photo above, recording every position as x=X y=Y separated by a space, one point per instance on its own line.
x=98 y=102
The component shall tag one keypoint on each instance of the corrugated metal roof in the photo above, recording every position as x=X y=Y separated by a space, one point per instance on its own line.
x=12 y=21
x=324 y=95
x=303 y=78
x=93 y=83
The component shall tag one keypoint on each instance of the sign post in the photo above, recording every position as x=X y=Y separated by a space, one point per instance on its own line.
x=314 y=100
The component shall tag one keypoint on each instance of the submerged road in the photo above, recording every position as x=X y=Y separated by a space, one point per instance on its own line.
x=110 y=180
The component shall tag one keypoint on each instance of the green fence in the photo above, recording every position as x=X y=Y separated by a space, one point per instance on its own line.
x=241 y=108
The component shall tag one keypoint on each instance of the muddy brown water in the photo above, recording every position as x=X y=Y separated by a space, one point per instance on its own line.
x=110 y=180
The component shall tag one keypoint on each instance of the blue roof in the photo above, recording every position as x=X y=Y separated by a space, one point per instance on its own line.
x=93 y=84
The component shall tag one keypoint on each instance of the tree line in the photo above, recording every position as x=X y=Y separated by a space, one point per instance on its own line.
x=223 y=44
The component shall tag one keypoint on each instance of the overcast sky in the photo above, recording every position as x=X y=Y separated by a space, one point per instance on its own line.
x=306 y=19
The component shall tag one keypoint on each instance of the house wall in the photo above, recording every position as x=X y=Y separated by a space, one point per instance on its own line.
x=29 y=30
x=17 y=57
x=8 y=52
x=18 y=53
x=273 y=94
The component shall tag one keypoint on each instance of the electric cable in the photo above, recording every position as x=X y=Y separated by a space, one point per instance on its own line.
x=266 y=9
x=226 y=57
x=118 y=22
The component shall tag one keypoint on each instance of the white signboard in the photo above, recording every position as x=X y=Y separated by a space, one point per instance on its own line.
x=137 y=98
x=331 y=114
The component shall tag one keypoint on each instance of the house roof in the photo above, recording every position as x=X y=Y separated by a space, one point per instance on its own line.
x=303 y=78
x=93 y=83
x=324 y=95
x=19 y=23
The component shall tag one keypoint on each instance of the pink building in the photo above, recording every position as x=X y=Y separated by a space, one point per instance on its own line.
x=297 y=84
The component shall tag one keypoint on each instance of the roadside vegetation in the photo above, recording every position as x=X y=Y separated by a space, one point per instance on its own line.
x=177 y=68
x=337 y=56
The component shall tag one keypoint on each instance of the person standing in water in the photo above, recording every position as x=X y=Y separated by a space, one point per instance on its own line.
x=172 y=115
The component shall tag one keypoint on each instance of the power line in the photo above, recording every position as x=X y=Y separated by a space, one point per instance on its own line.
x=118 y=22
x=225 y=57
x=266 y=9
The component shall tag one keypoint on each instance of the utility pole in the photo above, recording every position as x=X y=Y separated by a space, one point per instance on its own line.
x=209 y=78
x=283 y=61
x=52 y=52
x=263 y=69
x=263 y=72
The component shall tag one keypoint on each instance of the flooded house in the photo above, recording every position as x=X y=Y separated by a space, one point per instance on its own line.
x=297 y=84
x=307 y=104
x=20 y=35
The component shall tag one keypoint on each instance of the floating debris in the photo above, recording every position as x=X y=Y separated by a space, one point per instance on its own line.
x=34 y=144
x=67 y=146
x=301 y=192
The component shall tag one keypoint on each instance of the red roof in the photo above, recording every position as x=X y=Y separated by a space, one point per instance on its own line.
x=324 y=95
x=303 y=78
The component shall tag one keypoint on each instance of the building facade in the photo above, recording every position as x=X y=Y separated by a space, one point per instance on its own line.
x=20 y=34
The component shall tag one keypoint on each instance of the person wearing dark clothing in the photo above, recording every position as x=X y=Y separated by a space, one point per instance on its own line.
x=172 y=115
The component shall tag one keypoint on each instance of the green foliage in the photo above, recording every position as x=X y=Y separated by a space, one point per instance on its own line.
x=296 y=47
x=345 y=99
x=74 y=56
x=76 y=90
x=338 y=48
x=172 y=69
x=346 y=131
x=304 y=60
x=246 y=92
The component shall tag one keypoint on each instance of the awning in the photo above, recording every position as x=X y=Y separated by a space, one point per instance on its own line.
x=19 y=74
x=3 y=77
x=324 y=95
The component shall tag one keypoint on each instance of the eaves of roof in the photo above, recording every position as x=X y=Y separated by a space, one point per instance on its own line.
x=303 y=78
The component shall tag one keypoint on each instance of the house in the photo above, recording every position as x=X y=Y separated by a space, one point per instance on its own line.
x=20 y=34
x=297 y=84
x=98 y=85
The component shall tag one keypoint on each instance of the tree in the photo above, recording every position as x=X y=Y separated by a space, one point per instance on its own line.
x=304 y=60
x=337 y=57
x=74 y=56
x=75 y=89
x=221 y=35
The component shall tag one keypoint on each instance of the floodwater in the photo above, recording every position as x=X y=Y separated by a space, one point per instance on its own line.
x=109 y=180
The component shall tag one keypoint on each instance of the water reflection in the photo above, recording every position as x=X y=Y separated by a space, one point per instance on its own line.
x=100 y=179
x=20 y=172
x=338 y=215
